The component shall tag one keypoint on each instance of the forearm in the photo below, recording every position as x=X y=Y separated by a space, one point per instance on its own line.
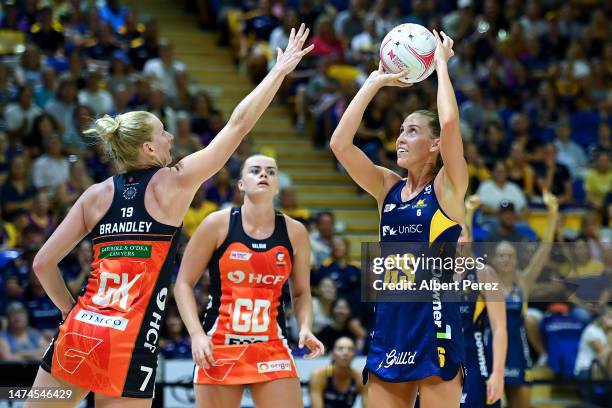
x=447 y=104
x=51 y=280
x=551 y=225
x=188 y=309
x=500 y=346
x=303 y=310
x=351 y=119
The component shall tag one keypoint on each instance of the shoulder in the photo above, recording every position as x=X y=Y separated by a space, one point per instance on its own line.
x=295 y=228
x=318 y=375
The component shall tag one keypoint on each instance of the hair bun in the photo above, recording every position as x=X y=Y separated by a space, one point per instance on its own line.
x=107 y=127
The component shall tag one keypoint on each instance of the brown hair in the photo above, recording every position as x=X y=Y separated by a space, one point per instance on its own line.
x=434 y=125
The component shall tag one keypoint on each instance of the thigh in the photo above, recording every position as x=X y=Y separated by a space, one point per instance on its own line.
x=45 y=379
x=221 y=396
x=390 y=395
x=103 y=401
x=518 y=396
x=435 y=392
x=281 y=393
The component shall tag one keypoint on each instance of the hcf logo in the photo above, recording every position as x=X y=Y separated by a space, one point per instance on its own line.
x=240 y=276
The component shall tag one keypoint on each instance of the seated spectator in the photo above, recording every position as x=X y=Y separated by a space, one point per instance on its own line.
x=561 y=332
x=164 y=69
x=28 y=72
x=19 y=342
x=507 y=226
x=119 y=72
x=198 y=210
x=8 y=91
x=493 y=192
x=96 y=97
x=221 y=191
x=290 y=207
x=366 y=43
x=183 y=96
x=44 y=127
x=347 y=277
x=279 y=37
x=553 y=176
x=174 y=342
x=76 y=267
x=493 y=147
x=44 y=316
x=44 y=91
x=17 y=193
x=62 y=105
x=112 y=12
x=201 y=114
x=349 y=23
x=157 y=105
x=143 y=49
x=326 y=43
x=52 y=168
x=598 y=180
x=41 y=215
x=121 y=99
x=321 y=238
x=48 y=33
x=343 y=325
x=184 y=142
x=590 y=231
x=258 y=25
x=370 y=135
x=11 y=20
x=604 y=142
x=9 y=237
x=104 y=45
x=593 y=360
x=477 y=169
x=520 y=171
x=20 y=115
x=324 y=296
x=569 y=153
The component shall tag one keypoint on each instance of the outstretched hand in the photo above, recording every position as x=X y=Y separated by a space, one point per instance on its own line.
x=380 y=78
x=287 y=60
x=444 y=48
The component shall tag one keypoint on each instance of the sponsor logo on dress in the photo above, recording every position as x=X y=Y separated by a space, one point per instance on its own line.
x=113 y=322
x=241 y=339
x=240 y=256
x=387 y=230
x=389 y=207
x=273 y=366
x=258 y=245
x=394 y=358
x=129 y=193
x=420 y=204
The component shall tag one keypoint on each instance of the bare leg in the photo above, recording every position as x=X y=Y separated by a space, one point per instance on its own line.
x=518 y=396
x=435 y=392
x=532 y=327
x=281 y=393
x=218 y=396
x=45 y=379
x=103 y=401
x=385 y=394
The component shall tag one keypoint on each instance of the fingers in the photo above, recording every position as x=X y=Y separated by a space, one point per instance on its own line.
x=291 y=36
x=306 y=50
x=279 y=52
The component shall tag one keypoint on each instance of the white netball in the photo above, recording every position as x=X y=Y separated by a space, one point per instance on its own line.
x=409 y=46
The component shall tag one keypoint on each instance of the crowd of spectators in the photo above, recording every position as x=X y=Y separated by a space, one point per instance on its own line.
x=532 y=79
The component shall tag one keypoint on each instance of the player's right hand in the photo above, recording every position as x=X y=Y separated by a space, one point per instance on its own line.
x=380 y=78
x=287 y=60
x=202 y=351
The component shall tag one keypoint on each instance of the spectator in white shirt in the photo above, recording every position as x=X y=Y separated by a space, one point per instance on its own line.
x=279 y=37
x=594 y=349
x=569 y=153
x=366 y=42
x=164 y=68
x=52 y=168
x=493 y=192
x=94 y=96
x=19 y=116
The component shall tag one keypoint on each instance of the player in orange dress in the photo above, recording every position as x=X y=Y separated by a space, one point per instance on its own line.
x=252 y=253
x=107 y=342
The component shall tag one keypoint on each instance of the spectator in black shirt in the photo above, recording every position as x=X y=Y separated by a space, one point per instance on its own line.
x=17 y=194
x=493 y=148
x=106 y=44
x=506 y=229
x=48 y=35
x=552 y=176
x=343 y=325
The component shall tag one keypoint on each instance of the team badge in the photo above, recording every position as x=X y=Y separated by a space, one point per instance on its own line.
x=129 y=193
x=280 y=258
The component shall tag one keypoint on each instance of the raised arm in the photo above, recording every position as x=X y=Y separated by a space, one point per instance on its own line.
x=535 y=266
x=455 y=172
x=300 y=287
x=197 y=255
x=374 y=179
x=201 y=165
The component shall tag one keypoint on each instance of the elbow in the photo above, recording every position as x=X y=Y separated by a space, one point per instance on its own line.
x=336 y=146
x=40 y=264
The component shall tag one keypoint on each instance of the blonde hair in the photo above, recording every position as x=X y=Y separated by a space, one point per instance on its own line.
x=123 y=135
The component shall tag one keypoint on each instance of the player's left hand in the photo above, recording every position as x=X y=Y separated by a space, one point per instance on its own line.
x=495 y=388
x=312 y=343
x=444 y=49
